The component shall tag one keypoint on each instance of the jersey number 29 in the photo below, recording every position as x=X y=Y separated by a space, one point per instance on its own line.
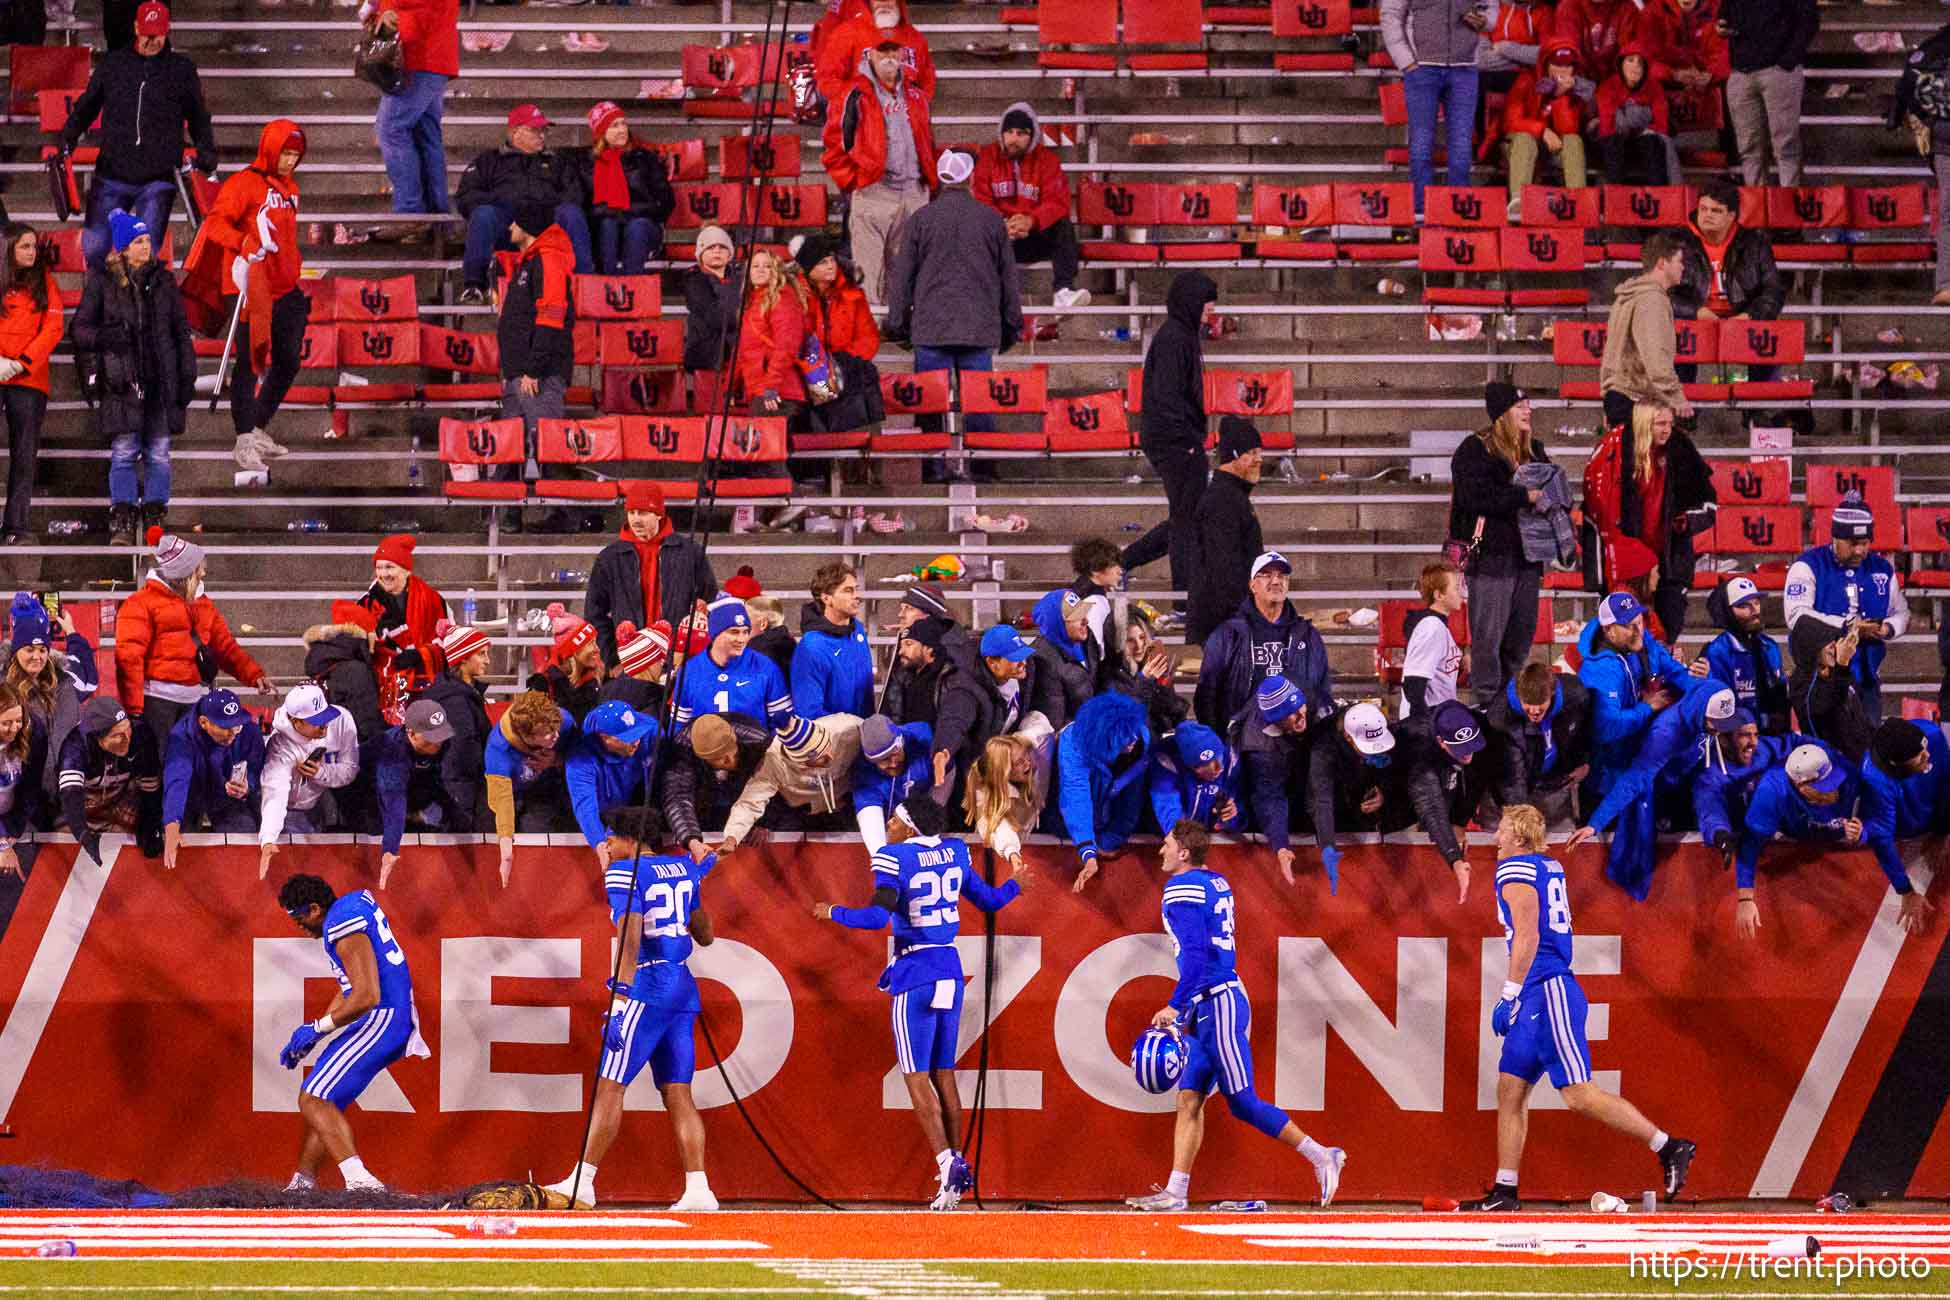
x=936 y=897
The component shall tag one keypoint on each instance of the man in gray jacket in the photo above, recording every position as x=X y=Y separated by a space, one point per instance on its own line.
x=953 y=294
x=1435 y=43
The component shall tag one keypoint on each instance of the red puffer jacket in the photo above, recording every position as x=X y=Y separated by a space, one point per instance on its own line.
x=153 y=642
x=1614 y=94
x=844 y=320
x=768 y=347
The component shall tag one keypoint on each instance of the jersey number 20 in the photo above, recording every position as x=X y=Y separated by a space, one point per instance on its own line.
x=670 y=907
x=935 y=897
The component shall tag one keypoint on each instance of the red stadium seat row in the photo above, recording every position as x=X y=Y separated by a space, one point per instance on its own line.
x=1735 y=342
x=654 y=441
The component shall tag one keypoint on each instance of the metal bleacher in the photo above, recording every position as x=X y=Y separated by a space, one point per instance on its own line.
x=1364 y=370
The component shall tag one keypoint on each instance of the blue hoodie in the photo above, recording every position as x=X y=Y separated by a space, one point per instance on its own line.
x=1895 y=809
x=1100 y=765
x=1176 y=790
x=1722 y=790
x=1670 y=749
x=1619 y=718
x=874 y=792
x=1778 y=808
x=1049 y=622
x=195 y=770
x=598 y=779
x=832 y=667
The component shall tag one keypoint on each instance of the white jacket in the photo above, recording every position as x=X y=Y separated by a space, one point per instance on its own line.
x=818 y=790
x=284 y=788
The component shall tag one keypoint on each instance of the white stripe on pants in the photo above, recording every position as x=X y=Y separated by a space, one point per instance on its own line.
x=1558 y=1006
x=323 y=1081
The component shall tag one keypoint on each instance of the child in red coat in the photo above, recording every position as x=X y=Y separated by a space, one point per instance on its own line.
x=1634 y=137
x=1544 y=117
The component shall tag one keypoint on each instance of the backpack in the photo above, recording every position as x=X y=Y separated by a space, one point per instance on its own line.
x=1929 y=94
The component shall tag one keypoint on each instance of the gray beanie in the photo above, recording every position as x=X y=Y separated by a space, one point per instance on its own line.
x=176 y=558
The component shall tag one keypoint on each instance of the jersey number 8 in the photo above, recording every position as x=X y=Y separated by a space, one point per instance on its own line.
x=1558 y=904
x=939 y=901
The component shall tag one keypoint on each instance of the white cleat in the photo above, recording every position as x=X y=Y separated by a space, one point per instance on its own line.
x=1159 y=1202
x=582 y=1198
x=1329 y=1175
x=703 y=1202
x=366 y=1185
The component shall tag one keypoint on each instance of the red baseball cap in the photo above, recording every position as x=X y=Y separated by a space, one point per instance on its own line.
x=152 y=19
x=526 y=115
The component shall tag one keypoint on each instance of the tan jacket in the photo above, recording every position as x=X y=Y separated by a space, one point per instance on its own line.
x=1639 y=345
x=816 y=789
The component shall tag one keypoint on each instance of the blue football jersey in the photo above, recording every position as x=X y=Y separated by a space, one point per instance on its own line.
x=929 y=875
x=750 y=684
x=1546 y=876
x=666 y=893
x=360 y=914
x=1198 y=910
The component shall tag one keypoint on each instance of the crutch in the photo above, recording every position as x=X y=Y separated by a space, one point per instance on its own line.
x=229 y=342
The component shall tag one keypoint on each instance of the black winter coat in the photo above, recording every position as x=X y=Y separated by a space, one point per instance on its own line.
x=697 y=794
x=1227 y=540
x=135 y=341
x=529 y=348
x=650 y=192
x=1753 y=285
x=1769 y=33
x=337 y=659
x=1523 y=749
x=615 y=592
x=1339 y=780
x=1483 y=485
x=507 y=177
x=711 y=322
x=144 y=105
x=577 y=699
x=644 y=697
x=1173 y=418
x=954 y=282
x=461 y=767
x=1446 y=794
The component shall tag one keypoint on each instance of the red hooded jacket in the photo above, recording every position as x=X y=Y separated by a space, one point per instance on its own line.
x=1675 y=41
x=1597 y=28
x=232 y=229
x=28 y=334
x=856 y=137
x=1033 y=184
x=844 y=321
x=429 y=34
x=838 y=14
x=1613 y=95
x=837 y=61
x=1534 y=103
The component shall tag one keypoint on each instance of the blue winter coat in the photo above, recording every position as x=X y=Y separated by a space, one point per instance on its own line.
x=873 y=788
x=1901 y=809
x=1100 y=769
x=1176 y=790
x=1721 y=794
x=832 y=667
x=1777 y=808
x=1619 y=718
x=598 y=779
x=195 y=770
x=1671 y=747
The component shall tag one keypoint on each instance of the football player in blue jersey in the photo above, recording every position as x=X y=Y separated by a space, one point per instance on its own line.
x=653 y=1008
x=919 y=876
x=1209 y=1006
x=372 y=1017
x=1540 y=1015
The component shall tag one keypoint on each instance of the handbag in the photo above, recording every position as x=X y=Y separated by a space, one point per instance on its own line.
x=378 y=57
x=1459 y=553
x=822 y=378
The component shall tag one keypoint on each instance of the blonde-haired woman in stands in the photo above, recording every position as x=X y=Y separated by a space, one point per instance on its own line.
x=1009 y=787
x=777 y=302
x=30 y=326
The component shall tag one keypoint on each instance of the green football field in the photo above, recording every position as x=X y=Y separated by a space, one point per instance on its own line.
x=678 y=1279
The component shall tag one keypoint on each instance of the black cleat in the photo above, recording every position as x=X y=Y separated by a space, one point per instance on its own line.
x=1676 y=1157
x=1499 y=1200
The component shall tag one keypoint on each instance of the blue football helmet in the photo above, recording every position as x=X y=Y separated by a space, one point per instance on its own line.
x=1157 y=1058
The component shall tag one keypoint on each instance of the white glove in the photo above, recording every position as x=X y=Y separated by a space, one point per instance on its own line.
x=266 y=243
x=9 y=368
x=240 y=273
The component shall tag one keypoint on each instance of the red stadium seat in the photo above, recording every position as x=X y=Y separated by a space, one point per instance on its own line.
x=1474 y=207
x=32 y=69
x=619 y=297
x=1888 y=208
x=445 y=349
x=919 y=393
x=1005 y=392
x=1766 y=482
x=1292 y=205
x=481 y=443
x=1548 y=249
x=1164 y=22
x=1459 y=250
x=640 y=343
x=1763 y=342
x=1546 y=206
x=1251 y=393
x=1753 y=530
x=379 y=343
x=578 y=442
x=1647 y=205
x=391 y=299
x=741 y=157
x=1304 y=18
x=1064 y=22
x=1389 y=203
x=1092 y=423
